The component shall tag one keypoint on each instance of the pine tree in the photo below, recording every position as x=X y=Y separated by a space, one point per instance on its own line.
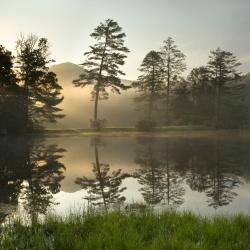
x=174 y=65
x=150 y=83
x=11 y=118
x=202 y=93
x=222 y=66
x=7 y=75
x=102 y=64
x=41 y=88
x=181 y=102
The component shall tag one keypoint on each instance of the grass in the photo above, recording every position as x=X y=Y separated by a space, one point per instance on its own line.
x=131 y=230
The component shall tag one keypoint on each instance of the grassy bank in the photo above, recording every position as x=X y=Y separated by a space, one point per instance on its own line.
x=116 y=230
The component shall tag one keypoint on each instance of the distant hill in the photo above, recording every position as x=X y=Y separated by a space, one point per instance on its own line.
x=119 y=110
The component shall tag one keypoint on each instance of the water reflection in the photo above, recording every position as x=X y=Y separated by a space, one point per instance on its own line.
x=208 y=174
x=30 y=173
x=105 y=187
x=157 y=174
x=215 y=168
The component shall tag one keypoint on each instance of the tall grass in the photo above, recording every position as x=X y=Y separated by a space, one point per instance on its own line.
x=131 y=230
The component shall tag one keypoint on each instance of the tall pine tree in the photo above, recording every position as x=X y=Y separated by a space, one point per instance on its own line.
x=223 y=67
x=201 y=93
x=174 y=65
x=150 y=83
x=102 y=65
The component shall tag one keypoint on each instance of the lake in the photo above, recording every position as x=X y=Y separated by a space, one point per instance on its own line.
x=205 y=174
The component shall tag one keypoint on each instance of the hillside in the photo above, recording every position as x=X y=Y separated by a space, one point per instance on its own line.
x=119 y=110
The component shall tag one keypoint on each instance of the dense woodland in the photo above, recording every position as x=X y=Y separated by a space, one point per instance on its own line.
x=214 y=95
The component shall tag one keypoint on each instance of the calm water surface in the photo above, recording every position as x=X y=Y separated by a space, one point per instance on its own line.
x=205 y=175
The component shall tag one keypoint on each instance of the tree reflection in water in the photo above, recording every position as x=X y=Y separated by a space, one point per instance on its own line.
x=29 y=170
x=159 y=179
x=211 y=167
x=105 y=186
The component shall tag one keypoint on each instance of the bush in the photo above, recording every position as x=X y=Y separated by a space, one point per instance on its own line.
x=145 y=125
x=98 y=124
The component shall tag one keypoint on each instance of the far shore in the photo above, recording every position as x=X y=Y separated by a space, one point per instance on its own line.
x=168 y=131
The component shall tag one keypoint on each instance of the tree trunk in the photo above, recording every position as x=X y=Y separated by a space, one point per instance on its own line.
x=100 y=176
x=219 y=82
x=96 y=103
x=217 y=106
x=168 y=94
x=151 y=96
x=99 y=80
x=26 y=105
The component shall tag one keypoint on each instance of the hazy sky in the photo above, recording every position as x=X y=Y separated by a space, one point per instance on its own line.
x=197 y=26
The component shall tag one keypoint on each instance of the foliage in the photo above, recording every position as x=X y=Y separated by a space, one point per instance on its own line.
x=150 y=82
x=41 y=88
x=174 y=66
x=102 y=65
x=11 y=96
x=223 y=68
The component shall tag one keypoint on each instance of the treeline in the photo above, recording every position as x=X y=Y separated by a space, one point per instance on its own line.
x=29 y=92
x=212 y=95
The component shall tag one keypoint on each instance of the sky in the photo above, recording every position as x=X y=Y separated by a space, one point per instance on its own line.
x=197 y=26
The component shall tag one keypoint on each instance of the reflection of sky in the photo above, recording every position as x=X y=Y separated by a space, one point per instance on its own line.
x=197 y=25
x=194 y=201
x=120 y=152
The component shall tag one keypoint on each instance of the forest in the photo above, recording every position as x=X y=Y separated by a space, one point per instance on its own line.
x=215 y=95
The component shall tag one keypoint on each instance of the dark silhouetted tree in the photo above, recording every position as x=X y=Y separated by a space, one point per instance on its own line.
x=182 y=103
x=7 y=75
x=174 y=65
x=202 y=94
x=150 y=83
x=102 y=66
x=11 y=95
x=41 y=88
x=223 y=67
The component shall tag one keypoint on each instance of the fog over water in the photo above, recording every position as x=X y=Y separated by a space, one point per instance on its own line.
x=207 y=175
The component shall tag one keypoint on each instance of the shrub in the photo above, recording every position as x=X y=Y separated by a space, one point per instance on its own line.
x=145 y=125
